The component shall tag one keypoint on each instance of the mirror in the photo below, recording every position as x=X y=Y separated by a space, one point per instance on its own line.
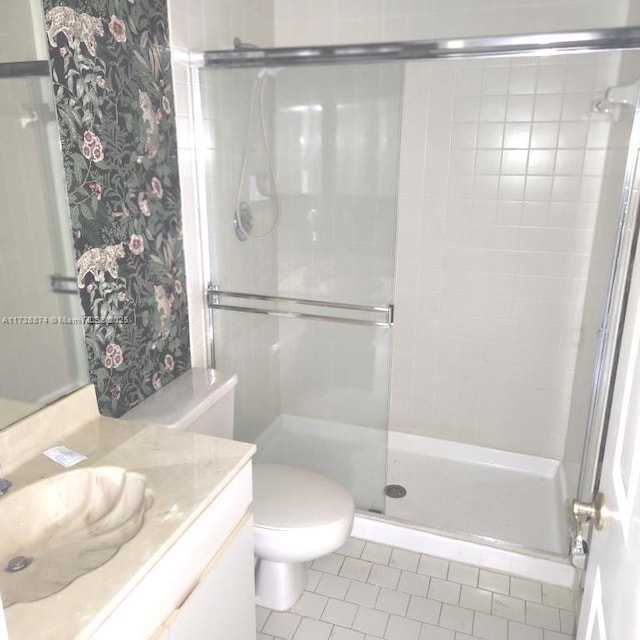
x=42 y=353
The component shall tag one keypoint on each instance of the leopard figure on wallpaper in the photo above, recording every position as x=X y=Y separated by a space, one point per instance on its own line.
x=76 y=27
x=99 y=261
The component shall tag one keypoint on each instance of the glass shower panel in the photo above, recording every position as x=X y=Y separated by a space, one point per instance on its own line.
x=312 y=393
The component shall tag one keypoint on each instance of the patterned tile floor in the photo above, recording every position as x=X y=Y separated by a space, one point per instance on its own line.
x=368 y=591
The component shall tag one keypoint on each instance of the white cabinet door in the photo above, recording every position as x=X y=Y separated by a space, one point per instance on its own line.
x=610 y=609
x=222 y=605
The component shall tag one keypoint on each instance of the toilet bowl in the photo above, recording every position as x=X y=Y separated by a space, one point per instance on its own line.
x=298 y=515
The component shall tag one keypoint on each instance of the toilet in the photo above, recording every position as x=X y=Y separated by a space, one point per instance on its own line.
x=299 y=515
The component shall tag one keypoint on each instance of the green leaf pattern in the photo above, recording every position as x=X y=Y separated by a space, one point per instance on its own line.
x=111 y=73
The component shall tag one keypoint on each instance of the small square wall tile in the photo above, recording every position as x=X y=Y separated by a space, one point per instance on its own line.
x=508 y=607
x=424 y=610
x=560 y=597
x=430 y=566
x=353 y=548
x=329 y=564
x=540 y=615
x=431 y=632
x=477 y=599
x=403 y=559
x=339 y=612
x=400 y=628
x=374 y=552
x=384 y=576
x=497 y=582
x=362 y=593
x=463 y=574
x=281 y=624
x=526 y=589
x=519 y=631
x=371 y=621
x=444 y=591
x=356 y=569
x=456 y=618
x=489 y=627
x=392 y=601
x=312 y=630
x=340 y=633
x=413 y=583
x=310 y=605
x=332 y=586
x=567 y=621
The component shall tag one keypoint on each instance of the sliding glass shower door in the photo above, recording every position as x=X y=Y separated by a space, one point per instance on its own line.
x=301 y=187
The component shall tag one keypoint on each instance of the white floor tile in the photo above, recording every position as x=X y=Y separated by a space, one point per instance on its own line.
x=312 y=630
x=340 y=633
x=526 y=589
x=261 y=617
x=282 y=624
x=508 y=607
x=374 y=552
x=262 y=636
x=555 y=635
x=424 y=610
x=400 y=628
x=430 y=566
x=519 y=631
x=392 y=601
x=371 y=621
x=456 y=618
x=313 y=577
x=333 y=586
x=540 y=615
x=477 y=599
x=489 y=627
x=339 y=612
x=444 y=591
x=352 y=547
x=362 y=593
x=384 y=576
x=567 y=621
x=492 y=581
x=463 y=574
x=402 y=559
x=329 y=564
x=310 y=605
x=413 y=583
x=356 y=569
x=554 y=596
x=431 y=632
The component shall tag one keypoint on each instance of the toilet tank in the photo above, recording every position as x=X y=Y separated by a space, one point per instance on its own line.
x=200 y=400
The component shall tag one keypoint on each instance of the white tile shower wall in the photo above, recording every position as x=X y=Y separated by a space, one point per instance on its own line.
x=523 y=133
x=333 y=21
x=495 y=234
x=195 y=26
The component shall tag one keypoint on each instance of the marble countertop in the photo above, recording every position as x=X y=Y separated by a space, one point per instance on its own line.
x=185 y=472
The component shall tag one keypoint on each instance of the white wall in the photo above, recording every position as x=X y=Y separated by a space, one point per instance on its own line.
x=500 y=173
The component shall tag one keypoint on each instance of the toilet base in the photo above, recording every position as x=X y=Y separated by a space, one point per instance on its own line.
x=279 y=584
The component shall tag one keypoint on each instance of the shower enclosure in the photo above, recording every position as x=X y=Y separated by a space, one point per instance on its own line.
x=428 y=303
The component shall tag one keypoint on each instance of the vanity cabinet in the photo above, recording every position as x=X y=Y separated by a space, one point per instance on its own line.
x=202 y=588
x=218 y=606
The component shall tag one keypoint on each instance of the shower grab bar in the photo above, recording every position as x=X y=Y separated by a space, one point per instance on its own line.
x=30 y=68
x=213 y=302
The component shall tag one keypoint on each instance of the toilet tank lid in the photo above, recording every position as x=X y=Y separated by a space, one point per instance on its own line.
x=184 y=399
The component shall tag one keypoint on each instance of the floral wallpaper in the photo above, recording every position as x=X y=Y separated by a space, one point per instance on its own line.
x=112 y=82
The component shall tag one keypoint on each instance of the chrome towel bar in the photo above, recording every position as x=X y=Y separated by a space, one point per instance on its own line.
x=214 y=295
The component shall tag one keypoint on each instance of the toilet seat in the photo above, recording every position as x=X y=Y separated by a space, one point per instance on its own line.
x=298 y=515
x=288 y=498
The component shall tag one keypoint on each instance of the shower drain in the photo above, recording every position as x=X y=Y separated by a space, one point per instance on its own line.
x=18 y=563
x=395 y=491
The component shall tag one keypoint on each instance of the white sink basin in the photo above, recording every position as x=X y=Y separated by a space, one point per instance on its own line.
x=55 y=530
